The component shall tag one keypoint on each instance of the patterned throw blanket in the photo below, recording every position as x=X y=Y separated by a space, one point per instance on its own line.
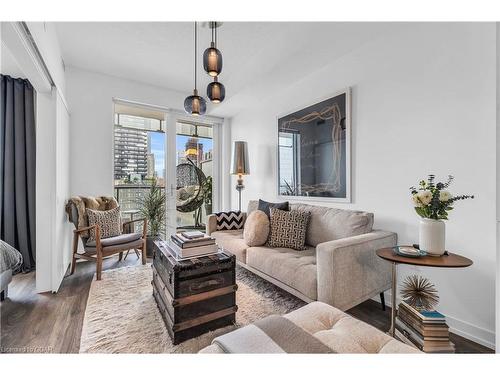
x=274 y=334
x=10 y=258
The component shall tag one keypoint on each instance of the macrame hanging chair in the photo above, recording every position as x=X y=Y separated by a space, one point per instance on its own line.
x=190 y=182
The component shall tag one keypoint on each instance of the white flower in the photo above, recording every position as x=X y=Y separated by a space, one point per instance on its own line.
x=444 y=196
x=425 y=197
x=416 y=201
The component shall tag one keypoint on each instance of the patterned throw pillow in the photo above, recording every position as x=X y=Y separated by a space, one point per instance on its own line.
x=288 y=229
x=229 y=220
x=109 y=222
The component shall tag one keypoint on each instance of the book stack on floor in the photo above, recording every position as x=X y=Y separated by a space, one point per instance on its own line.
x=192 y=244
x=426 y=330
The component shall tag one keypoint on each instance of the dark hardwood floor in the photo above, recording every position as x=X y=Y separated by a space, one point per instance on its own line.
x=47 y=322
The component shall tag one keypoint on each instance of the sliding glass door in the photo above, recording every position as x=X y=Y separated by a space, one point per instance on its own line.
x=165 y=159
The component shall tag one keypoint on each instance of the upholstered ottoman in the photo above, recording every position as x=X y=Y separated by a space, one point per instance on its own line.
x=331 y=330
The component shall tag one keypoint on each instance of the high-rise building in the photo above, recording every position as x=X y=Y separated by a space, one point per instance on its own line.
x=194 y=151
x=151 y=166
x=131 y=153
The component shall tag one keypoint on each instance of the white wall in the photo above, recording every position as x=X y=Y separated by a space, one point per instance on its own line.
x=423 y=101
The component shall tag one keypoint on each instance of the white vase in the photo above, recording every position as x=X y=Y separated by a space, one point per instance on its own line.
x=432 y=236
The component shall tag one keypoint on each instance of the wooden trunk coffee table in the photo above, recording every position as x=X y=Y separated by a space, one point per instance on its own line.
x=449 y=260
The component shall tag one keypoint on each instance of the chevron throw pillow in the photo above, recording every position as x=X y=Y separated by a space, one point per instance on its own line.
x=229 y=220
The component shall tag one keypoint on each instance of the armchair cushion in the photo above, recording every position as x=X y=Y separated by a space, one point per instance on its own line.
x=116 y=248
x=109 y=222
x=122 y=238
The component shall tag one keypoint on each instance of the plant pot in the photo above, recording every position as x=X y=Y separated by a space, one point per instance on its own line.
x=150 y=245
x=432 y=236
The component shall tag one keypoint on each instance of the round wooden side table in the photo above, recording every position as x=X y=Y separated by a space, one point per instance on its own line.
x=449 y=260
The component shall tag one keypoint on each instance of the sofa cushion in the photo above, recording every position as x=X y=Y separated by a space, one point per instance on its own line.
x=256 y=229
x=297 y=269
x=266 y=207
x=232 y=241
x=229 y=220
x=328 y=224
x=288 y=229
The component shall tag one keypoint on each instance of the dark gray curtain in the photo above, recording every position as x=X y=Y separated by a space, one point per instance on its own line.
x=17 y=167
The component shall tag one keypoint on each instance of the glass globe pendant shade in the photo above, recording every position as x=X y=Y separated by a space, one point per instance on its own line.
x=212 y=61
x=195 y=104
x=216 y=91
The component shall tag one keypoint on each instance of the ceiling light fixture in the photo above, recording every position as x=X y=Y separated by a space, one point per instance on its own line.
x=216 y=91
x=212 y=57
x=195 y=104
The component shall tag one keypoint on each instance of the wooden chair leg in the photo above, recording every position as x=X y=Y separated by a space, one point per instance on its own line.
x=144 y=252
x=75 y=249
x=99 y=265
x=382 y=300
x=120 y=256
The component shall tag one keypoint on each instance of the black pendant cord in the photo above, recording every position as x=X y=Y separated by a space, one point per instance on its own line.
x=215 y=28
x=195 y=44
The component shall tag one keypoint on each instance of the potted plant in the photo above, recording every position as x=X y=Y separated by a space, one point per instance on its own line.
x=152 y=207
x=207 y=195
x=432 y=203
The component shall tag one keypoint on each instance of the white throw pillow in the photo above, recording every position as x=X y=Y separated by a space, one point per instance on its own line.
x=256 y=228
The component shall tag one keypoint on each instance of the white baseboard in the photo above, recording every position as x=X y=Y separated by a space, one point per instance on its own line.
x=472 y=332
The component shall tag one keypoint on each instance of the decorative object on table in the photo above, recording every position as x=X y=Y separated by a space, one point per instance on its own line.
x=419 y=292
x=288 y=229
x=77 y=209
x=432 y=203
x=185 y=246
x=212 y=63
x=425 y=329
x=449 y=261
x=229 y=220
x=409 y=251
x=195 y=104
x=314 y=143
x=194 y=296
x=240 y=166
x=256 y=229
x=266 y=206
x=152 y=207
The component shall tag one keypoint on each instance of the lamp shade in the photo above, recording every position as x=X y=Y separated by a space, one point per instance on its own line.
x=212 y=61
x=216 y=91
x=195 y=104
x=240 y=163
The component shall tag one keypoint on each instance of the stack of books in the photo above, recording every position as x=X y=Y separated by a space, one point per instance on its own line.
x=426 y=330
x=192 y=244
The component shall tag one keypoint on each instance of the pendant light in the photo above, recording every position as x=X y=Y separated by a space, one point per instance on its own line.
x=212 y=58
x=195 y=104
x=216 y=91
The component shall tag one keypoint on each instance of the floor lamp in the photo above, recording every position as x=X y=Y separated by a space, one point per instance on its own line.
x=240 y=166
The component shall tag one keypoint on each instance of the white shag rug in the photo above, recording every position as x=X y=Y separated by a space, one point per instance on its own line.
x=122 y=316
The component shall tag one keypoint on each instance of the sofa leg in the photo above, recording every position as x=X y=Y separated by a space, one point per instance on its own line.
x=382 y=300
x=2 y=295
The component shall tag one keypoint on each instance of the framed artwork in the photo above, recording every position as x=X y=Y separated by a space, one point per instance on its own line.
x=314 y=150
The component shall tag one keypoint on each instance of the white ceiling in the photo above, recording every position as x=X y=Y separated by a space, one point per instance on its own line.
x=255 y=53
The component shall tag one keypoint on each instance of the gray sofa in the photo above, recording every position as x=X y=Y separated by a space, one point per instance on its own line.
x=339 y=266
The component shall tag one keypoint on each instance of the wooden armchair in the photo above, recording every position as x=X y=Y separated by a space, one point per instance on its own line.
x=103 y=247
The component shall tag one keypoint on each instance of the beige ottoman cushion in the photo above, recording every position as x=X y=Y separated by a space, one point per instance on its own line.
x=256 y=229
